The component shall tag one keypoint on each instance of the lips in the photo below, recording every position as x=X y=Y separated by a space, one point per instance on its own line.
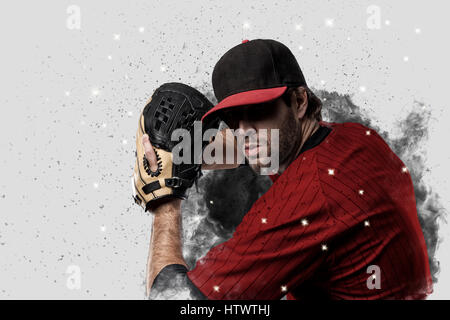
x=251 y=150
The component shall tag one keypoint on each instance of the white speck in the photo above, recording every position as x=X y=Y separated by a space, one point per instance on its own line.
x=387 y=22
x=283 y=288
x=361 y=192
x=141 y=29
x=367 y=223
x=298 y=27
x=216 y=288
x=348 y=38
x=417 y=30
x=331 y=172
x=102 y=228
x=104 y=125
x=163 y=68
x=368 y=133
x=404 y=169
x=324 y=247
x=116 y=36
x=264 y=220
x=246 y=25
x=329 y=22
x=126 y=77
x=130 y=113
x=95 y=92
x=95 y=184
x=67 y=93
x=211 y=202
x=406 y=58
x=300 y=48
x=322 y=82
x=305 y=222
x=124 y=141
x=109 y=57
x=362 y=88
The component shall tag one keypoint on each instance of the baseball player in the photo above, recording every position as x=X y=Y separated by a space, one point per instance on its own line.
x=339 y=221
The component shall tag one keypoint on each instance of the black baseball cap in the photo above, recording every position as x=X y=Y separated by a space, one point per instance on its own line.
x=254 y=72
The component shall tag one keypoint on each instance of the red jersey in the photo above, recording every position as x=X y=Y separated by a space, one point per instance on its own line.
x=339 y=211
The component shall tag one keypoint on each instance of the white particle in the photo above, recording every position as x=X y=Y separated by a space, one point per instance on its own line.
x=163 y=68
x=264 y=220
x=305 y=222
x=95 y=92
x=418 y=30
x=109 y=57
x=67 y=93
x=406 y=58
x=130 y=113
x=298 y=27
x=124 y=141
x=366 y=223
x=126 y=77
x=300 y=48
x=404 y=169
x=322 y=82
x=283 y=288
x=95 y=184
x=116 y=36
x=368 y=132
x=104 y=125
x=216 y=288
x=387 y=22
x=362 y=89
x=102 y=228
x=361 y=192
x=329 y=22
x=211 y=202
x=141 y=29
x=348 y=38
x=324 y=247
x=246 y=25
x=331 y=172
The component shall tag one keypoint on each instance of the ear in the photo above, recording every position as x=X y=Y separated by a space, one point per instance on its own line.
x=299 y=100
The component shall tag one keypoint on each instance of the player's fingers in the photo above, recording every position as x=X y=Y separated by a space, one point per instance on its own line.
x=149 y=152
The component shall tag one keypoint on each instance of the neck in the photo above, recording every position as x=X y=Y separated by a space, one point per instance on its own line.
x=308 y=128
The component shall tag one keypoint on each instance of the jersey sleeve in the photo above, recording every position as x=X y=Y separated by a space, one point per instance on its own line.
x=280 y=243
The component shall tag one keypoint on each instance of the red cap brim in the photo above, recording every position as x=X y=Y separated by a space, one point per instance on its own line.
x=248 y=97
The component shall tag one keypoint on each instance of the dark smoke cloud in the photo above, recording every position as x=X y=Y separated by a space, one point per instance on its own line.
x=211 y=215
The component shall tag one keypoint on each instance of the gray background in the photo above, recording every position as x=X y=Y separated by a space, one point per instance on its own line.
x=70 y=101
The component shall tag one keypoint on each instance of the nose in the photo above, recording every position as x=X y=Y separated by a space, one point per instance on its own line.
x=244 y=123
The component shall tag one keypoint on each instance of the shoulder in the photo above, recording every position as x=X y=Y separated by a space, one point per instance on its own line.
x=352 y=135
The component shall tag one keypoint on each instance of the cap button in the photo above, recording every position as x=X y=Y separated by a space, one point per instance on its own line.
x=244 y=41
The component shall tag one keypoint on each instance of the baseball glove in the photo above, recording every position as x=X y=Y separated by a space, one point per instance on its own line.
x=172 y=106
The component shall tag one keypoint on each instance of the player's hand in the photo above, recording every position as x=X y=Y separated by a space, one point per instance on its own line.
x=149 y=152
x=226 y=137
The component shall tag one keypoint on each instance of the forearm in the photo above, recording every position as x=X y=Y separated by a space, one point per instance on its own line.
x=165 y=243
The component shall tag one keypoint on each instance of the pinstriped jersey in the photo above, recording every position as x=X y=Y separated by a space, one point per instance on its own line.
x=339 y=223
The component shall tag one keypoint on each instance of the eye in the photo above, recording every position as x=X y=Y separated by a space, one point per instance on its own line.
x=230 y=118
